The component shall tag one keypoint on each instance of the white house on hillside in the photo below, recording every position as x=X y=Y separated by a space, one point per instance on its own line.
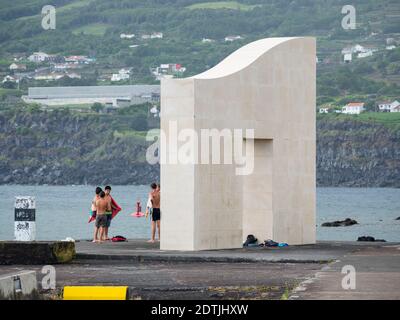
x=324 y=110
x=395 y=106
x=126 y=36
x=384 y=106
x=353 y=108
x=16 y=66
x=365 y=54
x=347 y=57
x=207 y=40
x=38 y=57
x=232 y=38
x=156 y=35
x=123 y=74
x=388 y=106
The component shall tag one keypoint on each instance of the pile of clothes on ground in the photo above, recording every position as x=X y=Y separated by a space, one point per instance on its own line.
x=252 y=241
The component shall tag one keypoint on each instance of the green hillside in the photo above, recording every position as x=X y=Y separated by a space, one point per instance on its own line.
x=93 y=28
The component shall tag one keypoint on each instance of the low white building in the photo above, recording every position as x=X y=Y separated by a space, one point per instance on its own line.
x=156 y=35
x=207 y=40
x=324 y=110
x=353 y=108
x=154 y=111
x=9 y=78
x=353 y=49
x=384 y=106
x=126 y=35
x=38 y=57
x=361 y=51
x=49 y=76
x=123 y=74
x=391 y=47
x=387 y=106
x=365 y=54
x=168 y=70
x=347 y=57
x=396 y=109
x=16 y=66
x=232 y=38
x=390 y=41
x=395 y=106
x=78 y=59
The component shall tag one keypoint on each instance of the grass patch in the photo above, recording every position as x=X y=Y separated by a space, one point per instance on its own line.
x=94 y=29
x=389 y=119
x=72 y=5
x=72 y=107
x=13 y=92
x=75 y=4
x=382 y=117
x=232 y=5
x=130 y=134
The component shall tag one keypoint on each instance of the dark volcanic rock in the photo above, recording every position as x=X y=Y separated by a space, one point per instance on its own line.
x=58 y=148
x=66 y=148
x=344 y=223
x=397 y=218
x=370 y=239
x=353 y=153
x=36 y=252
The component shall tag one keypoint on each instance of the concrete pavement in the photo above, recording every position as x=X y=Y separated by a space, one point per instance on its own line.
x=140 y=250
x=377 y=276
x=297 y=272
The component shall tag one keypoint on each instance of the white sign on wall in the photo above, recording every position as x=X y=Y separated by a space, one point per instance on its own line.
x=25 y=218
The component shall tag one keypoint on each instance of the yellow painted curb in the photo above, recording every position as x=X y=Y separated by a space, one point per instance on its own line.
x=95 y=293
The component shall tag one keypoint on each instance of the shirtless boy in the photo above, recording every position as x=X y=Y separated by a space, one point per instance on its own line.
x=94 y=212
x=107 y=191
x=154 y=196
x=102 y=206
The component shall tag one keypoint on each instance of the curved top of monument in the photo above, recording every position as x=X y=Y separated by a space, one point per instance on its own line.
x=242 y=57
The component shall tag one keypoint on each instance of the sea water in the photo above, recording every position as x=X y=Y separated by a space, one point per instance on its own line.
x=63 y=211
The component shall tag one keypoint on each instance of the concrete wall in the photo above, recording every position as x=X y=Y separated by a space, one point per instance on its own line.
x=268 y=86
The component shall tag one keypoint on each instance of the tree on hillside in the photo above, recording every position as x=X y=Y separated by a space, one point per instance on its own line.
x=97 y=107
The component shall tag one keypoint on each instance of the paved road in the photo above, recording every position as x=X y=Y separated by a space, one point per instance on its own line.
x=177 y=280
x=254 y=273
x=377 y=276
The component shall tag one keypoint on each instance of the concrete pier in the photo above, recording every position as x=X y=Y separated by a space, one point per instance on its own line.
x=36 y=252
x=295 y=272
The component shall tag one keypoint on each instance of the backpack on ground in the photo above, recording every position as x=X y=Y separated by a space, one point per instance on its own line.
x=118 y=239
x=251 y=239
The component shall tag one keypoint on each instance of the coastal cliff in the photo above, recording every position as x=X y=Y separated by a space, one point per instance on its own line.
x=354 y=152
x=62 y=147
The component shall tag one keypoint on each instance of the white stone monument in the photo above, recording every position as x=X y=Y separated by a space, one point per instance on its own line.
x=25 y=218
x=268 y=86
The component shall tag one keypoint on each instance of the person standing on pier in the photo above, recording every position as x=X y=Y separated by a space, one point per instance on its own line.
x=94 y=212
x=154 y=196
x=107 y=191
x=103 y=206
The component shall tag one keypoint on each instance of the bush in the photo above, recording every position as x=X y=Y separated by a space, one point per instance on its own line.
x=97 y=107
